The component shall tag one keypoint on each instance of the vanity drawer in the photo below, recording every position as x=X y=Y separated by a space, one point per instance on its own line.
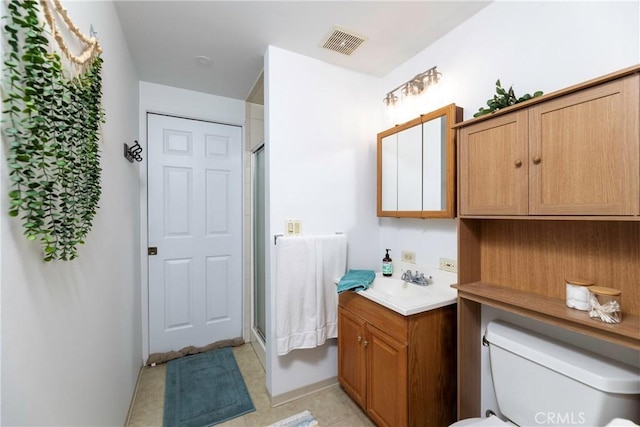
x=387 y=320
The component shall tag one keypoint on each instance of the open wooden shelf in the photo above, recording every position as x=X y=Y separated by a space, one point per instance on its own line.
x=553 y=311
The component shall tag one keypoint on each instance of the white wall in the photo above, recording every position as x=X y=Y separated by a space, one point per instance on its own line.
x=155 y=98
x=542 y=45
x=169 y=100
x=534 y=46
x=71 y=330
x=320 y=140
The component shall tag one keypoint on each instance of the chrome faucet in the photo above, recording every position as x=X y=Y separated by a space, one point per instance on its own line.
x=418 y=278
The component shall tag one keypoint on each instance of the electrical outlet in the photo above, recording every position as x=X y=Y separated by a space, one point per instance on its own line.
x=409 y=257
x=448 y=264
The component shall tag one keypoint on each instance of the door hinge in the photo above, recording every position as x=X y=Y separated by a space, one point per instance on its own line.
x=152 y=250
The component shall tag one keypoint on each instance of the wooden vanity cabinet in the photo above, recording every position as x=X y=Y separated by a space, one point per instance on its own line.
x=399 y=370
x=577 y=154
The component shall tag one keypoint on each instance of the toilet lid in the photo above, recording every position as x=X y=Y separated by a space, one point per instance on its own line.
x=492 y=421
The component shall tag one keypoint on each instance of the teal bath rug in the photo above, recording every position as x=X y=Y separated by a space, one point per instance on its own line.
x=205 y=389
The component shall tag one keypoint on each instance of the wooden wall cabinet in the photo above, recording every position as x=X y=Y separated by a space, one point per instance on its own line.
x=399 y=370
x=549 y=189
x=573 y=155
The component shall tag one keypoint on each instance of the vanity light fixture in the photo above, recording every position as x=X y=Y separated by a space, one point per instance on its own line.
x=418 y=84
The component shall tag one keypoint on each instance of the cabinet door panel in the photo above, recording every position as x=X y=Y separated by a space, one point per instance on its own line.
x=493 y=166
x=351 y=355
x=410 y=169
x=387 y=379
x=584 y=152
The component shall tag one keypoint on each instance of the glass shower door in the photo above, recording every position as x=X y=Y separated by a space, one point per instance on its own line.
x=259 y=297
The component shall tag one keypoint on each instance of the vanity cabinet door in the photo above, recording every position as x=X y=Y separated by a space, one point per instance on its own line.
x=352 y=355
x=387 y=379
x=493 y=166
x=584 y=156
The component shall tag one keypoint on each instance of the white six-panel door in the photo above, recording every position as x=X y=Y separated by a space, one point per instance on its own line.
x=195 y=222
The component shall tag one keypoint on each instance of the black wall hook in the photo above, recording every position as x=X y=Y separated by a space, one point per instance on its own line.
x=133 y=153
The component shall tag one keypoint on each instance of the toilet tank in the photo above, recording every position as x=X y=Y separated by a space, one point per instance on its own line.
x=541 y=381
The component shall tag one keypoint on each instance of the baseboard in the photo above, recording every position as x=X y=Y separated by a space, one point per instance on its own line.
x=281 y=399
x=133 y=397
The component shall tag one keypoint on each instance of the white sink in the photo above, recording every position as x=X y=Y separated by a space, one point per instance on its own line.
x=397 y=288
x=408 y=298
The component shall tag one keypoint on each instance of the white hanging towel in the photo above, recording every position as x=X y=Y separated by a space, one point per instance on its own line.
x=331 y=264
x=306 y=299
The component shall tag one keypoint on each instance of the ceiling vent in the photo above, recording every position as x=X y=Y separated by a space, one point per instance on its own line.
x=342 y=40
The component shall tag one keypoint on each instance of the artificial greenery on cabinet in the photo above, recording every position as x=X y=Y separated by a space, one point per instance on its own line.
x=504 y=98
x=51 y=122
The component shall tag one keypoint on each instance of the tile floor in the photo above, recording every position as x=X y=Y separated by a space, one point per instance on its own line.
x=331 y=406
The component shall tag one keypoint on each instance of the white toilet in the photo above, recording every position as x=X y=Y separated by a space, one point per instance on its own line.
x=542 y=382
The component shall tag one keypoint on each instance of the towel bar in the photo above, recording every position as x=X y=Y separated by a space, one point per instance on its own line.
x=275 y=236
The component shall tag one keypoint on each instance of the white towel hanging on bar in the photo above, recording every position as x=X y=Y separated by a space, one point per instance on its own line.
x=306 y=298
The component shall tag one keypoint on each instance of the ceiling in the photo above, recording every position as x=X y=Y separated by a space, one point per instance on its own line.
x=165 y=37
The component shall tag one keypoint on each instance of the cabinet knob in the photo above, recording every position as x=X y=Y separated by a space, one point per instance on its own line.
x=536 y=160
x=518 y=163
x=359 y=338
x=366 y=343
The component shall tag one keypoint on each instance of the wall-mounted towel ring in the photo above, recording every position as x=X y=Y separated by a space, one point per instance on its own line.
x=133 y=153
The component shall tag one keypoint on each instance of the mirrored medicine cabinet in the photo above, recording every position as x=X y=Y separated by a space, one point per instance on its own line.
x=416 y=166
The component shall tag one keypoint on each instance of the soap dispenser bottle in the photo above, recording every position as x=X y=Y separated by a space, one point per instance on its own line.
x=387 y=266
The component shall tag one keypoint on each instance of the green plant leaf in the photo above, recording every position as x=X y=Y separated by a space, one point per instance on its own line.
x=503 y=98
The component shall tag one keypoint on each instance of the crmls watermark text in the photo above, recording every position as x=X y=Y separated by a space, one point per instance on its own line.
x=557 y=418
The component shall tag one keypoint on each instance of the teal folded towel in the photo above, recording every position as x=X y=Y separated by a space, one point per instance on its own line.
x=356 y=280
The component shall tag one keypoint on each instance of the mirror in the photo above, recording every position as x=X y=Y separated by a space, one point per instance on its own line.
x=416 y=166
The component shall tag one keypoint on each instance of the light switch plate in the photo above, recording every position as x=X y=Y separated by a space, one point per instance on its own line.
x=292 y=227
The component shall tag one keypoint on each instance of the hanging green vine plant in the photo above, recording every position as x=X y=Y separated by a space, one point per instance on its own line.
x=51 y=123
